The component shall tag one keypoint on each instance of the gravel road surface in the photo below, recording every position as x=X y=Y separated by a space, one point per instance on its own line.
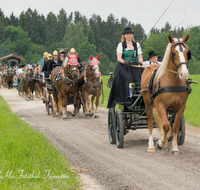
x=84 y=141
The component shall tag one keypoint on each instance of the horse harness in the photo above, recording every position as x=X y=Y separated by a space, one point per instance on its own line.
x=63 y=76
x=93 y=85
x=153 y=93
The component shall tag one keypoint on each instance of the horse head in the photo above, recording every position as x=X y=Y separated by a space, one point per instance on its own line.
x=29 y=72
x=180 y=54
x=71 y=64
x=95 y=66
x=37 y=73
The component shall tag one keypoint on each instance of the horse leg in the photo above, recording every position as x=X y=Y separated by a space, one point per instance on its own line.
x=162 y=122
x=86 y=102
x=96 y=115
x=150 y=122
x=176 y=127
x=56 y=98
x=91 y=111
x=64 y=106
x=75 y=103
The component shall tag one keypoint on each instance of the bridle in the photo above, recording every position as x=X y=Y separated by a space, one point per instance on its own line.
x=181 y=49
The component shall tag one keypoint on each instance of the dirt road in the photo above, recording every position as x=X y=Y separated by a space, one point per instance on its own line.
x=85 y=143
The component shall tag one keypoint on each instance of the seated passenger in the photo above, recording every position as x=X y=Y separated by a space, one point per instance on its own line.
x=53 y=62
x=73 y=53
x=62 y=55
x=153 y=59
x=128 y=52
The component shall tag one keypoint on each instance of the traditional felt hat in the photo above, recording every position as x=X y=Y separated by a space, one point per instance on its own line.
x=72 y=50
x=55 y=52
x=45 y=54
x=152 y=53
x=62 y=51
x=128 y=30
x=49 y=56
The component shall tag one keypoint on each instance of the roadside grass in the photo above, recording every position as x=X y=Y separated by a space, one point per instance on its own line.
x=192 y=111
x=28 y=160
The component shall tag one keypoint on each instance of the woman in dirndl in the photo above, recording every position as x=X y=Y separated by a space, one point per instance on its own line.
x=129 y=53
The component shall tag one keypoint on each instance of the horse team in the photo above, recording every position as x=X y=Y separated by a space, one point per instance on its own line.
x=66 y=81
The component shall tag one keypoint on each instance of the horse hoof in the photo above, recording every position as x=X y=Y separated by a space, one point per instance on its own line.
x=96 y=116
x=151 y=149
x=27 y=99
x=175 y=153
x=87 y=115
x=73 y=115
x=91 y=114
x=65 y=117
x=158 y=146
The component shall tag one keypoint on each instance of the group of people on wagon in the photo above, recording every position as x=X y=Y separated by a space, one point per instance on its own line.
x=51 y=62
x=129 y=57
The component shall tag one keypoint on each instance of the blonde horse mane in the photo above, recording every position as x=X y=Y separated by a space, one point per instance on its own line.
x=65 y=62
x=162 y=69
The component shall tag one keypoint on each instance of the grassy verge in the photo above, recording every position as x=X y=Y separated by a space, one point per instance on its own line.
x=28 y=160
x=192 y=111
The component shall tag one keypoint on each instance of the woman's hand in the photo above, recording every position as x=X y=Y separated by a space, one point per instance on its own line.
x=126 y=62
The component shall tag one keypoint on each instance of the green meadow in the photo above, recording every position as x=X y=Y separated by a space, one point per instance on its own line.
x=28 y=160
x=192 y=111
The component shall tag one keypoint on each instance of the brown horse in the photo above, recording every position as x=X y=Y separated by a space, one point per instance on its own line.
x=92 y=86
x=168 y=91
x=65 y=81
x=9 y=77
x=39 y=83
x=28 y=83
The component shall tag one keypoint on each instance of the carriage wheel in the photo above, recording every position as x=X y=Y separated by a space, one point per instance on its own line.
x=181 y=133
x=111 y=126
x=119 y=129
x=46 y=101
x=52 y=106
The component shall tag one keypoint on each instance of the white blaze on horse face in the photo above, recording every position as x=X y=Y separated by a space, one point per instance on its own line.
x=184 y=72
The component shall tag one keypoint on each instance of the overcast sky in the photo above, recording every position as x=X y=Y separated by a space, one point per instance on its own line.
x=145 y=12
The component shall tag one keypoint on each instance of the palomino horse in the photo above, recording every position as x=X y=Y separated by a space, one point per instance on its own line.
x=65 y=81
x=39 y=83
x=168 y=91
x=92 y=86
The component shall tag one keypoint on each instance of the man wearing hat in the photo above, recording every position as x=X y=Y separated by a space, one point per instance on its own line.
x=153 y=59
x=73 y=53
x=45 y=56
x=62 y=54
x=54 y=62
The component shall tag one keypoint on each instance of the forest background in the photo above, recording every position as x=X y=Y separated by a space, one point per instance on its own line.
x=31 y=34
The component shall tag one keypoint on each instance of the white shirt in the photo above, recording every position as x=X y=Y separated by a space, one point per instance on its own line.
x=120 y=48
x=148 y=63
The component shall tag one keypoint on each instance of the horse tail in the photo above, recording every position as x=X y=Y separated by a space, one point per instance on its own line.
x=158 y=121
x=159 y=124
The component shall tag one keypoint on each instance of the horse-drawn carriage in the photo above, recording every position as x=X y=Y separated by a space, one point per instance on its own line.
x=163 y=95
x=130 y=115
x=69 y=86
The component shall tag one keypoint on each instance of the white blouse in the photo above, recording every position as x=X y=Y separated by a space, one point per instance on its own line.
x=120 y=48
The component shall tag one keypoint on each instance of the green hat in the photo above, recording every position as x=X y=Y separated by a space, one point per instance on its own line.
x=152 y=53
x=128 y=30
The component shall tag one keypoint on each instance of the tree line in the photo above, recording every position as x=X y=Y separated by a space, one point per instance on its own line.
x=30 y=34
